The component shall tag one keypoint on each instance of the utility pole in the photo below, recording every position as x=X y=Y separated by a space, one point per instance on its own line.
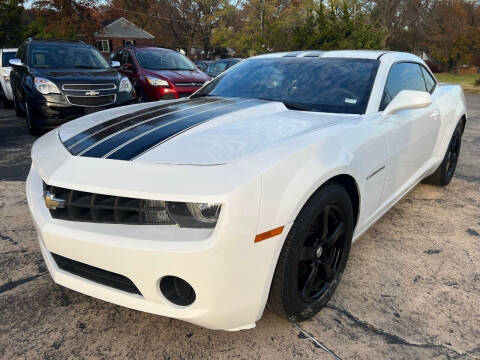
x=262 y=7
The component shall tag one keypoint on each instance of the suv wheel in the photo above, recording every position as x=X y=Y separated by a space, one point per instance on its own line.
x=19 y=112
x=31 y=122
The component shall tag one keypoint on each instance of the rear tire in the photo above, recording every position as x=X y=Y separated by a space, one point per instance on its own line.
x=444 y=174
x=313 y=256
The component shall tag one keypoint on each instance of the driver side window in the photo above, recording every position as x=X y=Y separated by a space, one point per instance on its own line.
x=402 y=76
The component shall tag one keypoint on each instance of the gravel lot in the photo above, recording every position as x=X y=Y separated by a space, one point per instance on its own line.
x=411 y=289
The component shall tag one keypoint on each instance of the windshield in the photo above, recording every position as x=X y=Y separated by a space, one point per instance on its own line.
x=163 y=60
x=301 y=83
x=66 y=56
x=6 y=57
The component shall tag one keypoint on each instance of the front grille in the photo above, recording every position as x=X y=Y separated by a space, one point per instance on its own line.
x=188 y=84
x=86 y=87
x=98 y=208
x=95 y=274
x=101 y=100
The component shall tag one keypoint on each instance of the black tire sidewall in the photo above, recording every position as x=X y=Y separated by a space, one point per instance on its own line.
x=447 y=178
x=295 y=308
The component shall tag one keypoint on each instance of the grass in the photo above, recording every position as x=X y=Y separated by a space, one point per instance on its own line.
x=466 y=80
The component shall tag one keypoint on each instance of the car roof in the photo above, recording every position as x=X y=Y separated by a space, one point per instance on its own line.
x=57 y=41
x=347 y=54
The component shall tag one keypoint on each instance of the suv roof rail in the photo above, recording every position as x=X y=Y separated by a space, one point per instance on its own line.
x=57 y=40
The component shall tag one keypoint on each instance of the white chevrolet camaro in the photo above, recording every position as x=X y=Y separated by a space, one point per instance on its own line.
x=250 y=192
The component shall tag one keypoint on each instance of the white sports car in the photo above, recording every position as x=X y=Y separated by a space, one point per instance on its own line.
x=251 y=191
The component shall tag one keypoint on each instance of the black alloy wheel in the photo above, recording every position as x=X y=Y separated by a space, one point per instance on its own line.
x=445 y=171
x=322 y=251
x=314 y=255
x=453 y=153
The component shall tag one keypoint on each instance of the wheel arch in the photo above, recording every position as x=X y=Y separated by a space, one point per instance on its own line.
x=351 y=186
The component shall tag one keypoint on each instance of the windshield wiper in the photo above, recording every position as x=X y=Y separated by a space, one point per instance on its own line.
x=86 y=67
x=291 y=105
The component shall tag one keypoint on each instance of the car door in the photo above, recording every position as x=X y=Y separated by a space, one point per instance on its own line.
x=411 y=133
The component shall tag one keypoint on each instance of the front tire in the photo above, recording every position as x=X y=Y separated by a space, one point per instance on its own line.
x=444 y=174
x=18 y=111
x=32 y=126
x=314 y=255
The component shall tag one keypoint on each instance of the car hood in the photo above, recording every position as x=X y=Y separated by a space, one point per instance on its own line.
x=83 y=76
x=202 y=131
x=196 y=76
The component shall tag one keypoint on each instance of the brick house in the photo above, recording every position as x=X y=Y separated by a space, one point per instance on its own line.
x=116 y=33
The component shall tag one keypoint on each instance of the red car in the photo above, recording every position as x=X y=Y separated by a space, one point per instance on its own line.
x=157 y=73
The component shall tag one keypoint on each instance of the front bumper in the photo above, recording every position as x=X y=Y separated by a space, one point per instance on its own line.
x=230 y=274
x=53 y=110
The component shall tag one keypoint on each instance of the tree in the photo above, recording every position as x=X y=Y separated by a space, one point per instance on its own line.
x=11 y=25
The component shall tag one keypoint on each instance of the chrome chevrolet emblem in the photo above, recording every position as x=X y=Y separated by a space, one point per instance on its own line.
x=53 y=202
x=92 y=93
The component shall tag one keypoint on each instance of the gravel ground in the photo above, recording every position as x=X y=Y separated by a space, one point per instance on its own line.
x=411 y=289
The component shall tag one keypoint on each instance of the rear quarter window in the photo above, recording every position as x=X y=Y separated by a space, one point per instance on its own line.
x=402 y=76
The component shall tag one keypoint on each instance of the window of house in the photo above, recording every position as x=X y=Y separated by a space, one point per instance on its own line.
x=128 y=42
x=103 y=46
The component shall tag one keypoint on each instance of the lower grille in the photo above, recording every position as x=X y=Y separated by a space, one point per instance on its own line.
x=95 y=274
x=183 y=95
x=91 y=207
x=91 y=100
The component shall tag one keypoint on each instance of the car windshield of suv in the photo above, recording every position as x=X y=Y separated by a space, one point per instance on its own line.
x=6 y=57
x=163 y=60
x=66 y=56
x=334 y=85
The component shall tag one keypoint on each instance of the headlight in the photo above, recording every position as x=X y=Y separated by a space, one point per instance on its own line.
x=125 y=85
x=45 y=86
x=157 y=82
x=194 y=215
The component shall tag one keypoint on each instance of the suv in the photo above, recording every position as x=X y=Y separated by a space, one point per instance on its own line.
x=157 y=73
x=5 y=90
x=220 y=66
x=57 y=81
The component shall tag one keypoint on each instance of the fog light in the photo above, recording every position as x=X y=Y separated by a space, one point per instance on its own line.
x=177 y=290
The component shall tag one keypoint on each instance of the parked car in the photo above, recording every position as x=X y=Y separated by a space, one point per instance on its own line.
x=435 y=66
x=57 y=81
x=5 y=89
x=159 y=74
x=220 y=66
x=252 y=190
x=203 y=64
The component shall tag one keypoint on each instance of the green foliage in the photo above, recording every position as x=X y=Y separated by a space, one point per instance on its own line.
x=11 y=32
x=274 y=25
x=477 y=82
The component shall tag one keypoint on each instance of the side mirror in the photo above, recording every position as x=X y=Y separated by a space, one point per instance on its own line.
x=115 y=64
x=408 y=99
x=16 y=62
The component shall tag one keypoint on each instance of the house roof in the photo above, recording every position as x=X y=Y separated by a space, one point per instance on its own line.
x=124 y=29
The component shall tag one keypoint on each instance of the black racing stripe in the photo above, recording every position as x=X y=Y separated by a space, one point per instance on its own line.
x=160 y=135
x=117 y=140
x=161 y=114
x=84 y=134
